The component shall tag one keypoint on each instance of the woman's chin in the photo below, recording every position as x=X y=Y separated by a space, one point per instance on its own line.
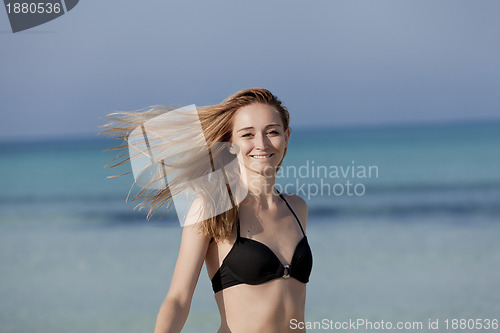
x=265 y=169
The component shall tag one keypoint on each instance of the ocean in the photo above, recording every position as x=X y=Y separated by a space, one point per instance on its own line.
x=404 y=223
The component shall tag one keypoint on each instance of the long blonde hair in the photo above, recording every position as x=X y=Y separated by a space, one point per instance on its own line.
x=217 y=123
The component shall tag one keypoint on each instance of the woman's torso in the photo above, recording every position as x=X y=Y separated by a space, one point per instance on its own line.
x=267 y=306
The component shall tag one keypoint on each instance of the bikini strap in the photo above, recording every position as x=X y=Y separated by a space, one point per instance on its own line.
x=238 y=227
x=298 y=221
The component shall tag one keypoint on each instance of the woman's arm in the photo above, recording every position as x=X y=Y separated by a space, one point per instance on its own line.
x=175 y=308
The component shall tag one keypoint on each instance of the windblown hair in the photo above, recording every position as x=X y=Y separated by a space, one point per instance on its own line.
x=217 y=123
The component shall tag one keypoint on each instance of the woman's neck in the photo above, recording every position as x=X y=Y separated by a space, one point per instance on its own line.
x=261 y=187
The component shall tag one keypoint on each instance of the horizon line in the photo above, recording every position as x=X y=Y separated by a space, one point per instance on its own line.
x=367 y=126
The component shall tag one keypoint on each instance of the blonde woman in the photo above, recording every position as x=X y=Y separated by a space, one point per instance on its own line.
x=256 y=253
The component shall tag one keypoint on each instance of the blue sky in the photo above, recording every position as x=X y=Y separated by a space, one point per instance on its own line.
x=333 y=63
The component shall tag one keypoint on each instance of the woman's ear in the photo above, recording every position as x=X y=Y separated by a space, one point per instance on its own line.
x=287 y=134
x=233 y=149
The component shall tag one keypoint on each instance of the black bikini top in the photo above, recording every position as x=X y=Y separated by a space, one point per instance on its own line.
x=252 y=262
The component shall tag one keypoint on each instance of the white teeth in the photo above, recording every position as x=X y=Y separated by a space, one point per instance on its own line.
x=261 y=156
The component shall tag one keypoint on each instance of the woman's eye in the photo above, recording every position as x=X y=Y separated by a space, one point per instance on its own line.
x=246 y=135
x=273 y=132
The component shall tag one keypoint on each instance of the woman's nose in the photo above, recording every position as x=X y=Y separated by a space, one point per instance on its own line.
x=260 y=142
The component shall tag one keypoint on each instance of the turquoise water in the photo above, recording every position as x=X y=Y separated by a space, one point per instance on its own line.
x=420 y=243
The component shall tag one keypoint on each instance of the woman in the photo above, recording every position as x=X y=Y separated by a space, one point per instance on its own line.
x=257 y=255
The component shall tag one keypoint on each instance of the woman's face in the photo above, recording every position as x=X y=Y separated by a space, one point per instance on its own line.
x=259 y=134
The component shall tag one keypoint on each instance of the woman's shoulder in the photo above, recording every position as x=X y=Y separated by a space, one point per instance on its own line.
x=298 y=205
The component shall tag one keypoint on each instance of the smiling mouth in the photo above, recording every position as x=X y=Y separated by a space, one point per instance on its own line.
x=261 y=157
